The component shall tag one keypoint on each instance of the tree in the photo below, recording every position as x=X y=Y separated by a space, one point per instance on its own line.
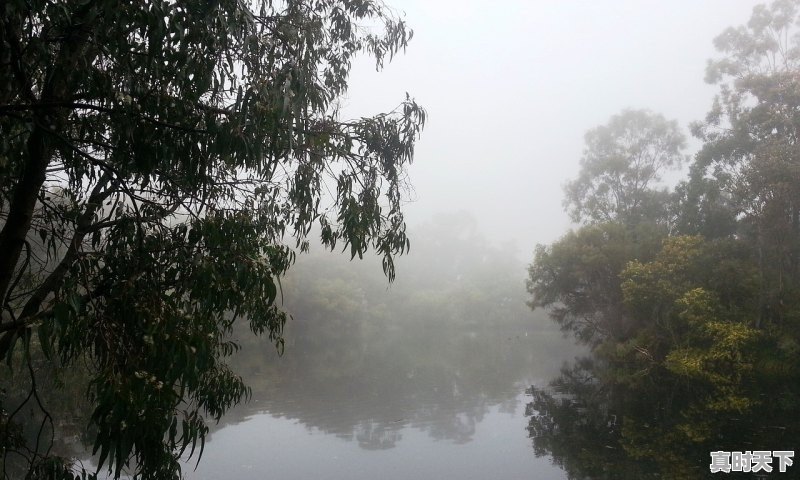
x=577 y=278
x=154 y=157
x=693 y=374
x=702 y=207
x=710 y=350
x=624 y=217
x=622 y=162
x=751 y=144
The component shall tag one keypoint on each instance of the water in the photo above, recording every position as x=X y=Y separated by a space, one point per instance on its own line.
x=267 y=446
x=423 y=380
x=453 y=408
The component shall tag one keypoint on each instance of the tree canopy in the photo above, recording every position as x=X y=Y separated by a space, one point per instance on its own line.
x=693 y=322
x=751 y=144
x=620 y=168
x=160 y=163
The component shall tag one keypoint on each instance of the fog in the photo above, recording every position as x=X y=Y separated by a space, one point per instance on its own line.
x=511 y=87
x=425 y=376
x=449 y=371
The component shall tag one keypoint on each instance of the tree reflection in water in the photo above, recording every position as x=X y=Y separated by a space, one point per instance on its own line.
x=598 y=427
x=449 y=340
x=444 y=387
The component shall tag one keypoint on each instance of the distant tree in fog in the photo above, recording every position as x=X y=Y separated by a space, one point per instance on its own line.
x=622 y=163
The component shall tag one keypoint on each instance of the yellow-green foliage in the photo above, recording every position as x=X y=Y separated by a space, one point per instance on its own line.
x=719 y=351
x=665 y=278
x=699 y=336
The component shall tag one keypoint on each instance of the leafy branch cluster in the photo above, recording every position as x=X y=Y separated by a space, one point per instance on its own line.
x=154 y=159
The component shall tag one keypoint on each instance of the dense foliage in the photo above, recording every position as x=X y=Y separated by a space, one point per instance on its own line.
x=155 y=157
x=693 y=317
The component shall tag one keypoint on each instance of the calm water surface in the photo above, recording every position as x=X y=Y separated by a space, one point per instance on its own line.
x=453 y=407
x=279 y=447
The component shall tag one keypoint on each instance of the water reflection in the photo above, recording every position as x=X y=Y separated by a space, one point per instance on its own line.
x=444 y=388
x=597 y=426
x=422 y=401
x=450 y=340
x=269 y=447
x=421 y=380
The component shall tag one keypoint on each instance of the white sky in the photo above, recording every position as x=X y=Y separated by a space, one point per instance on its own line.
x=511 y=87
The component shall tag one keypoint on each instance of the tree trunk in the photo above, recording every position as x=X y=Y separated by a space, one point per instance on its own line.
x=58 y=87
x=12 y=237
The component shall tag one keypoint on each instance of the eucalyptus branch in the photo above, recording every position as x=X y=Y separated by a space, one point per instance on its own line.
x=53 y=281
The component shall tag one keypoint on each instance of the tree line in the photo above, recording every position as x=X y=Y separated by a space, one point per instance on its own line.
x=689 y=297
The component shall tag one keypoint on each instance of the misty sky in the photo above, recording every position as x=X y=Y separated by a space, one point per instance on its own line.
x=512 y=86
